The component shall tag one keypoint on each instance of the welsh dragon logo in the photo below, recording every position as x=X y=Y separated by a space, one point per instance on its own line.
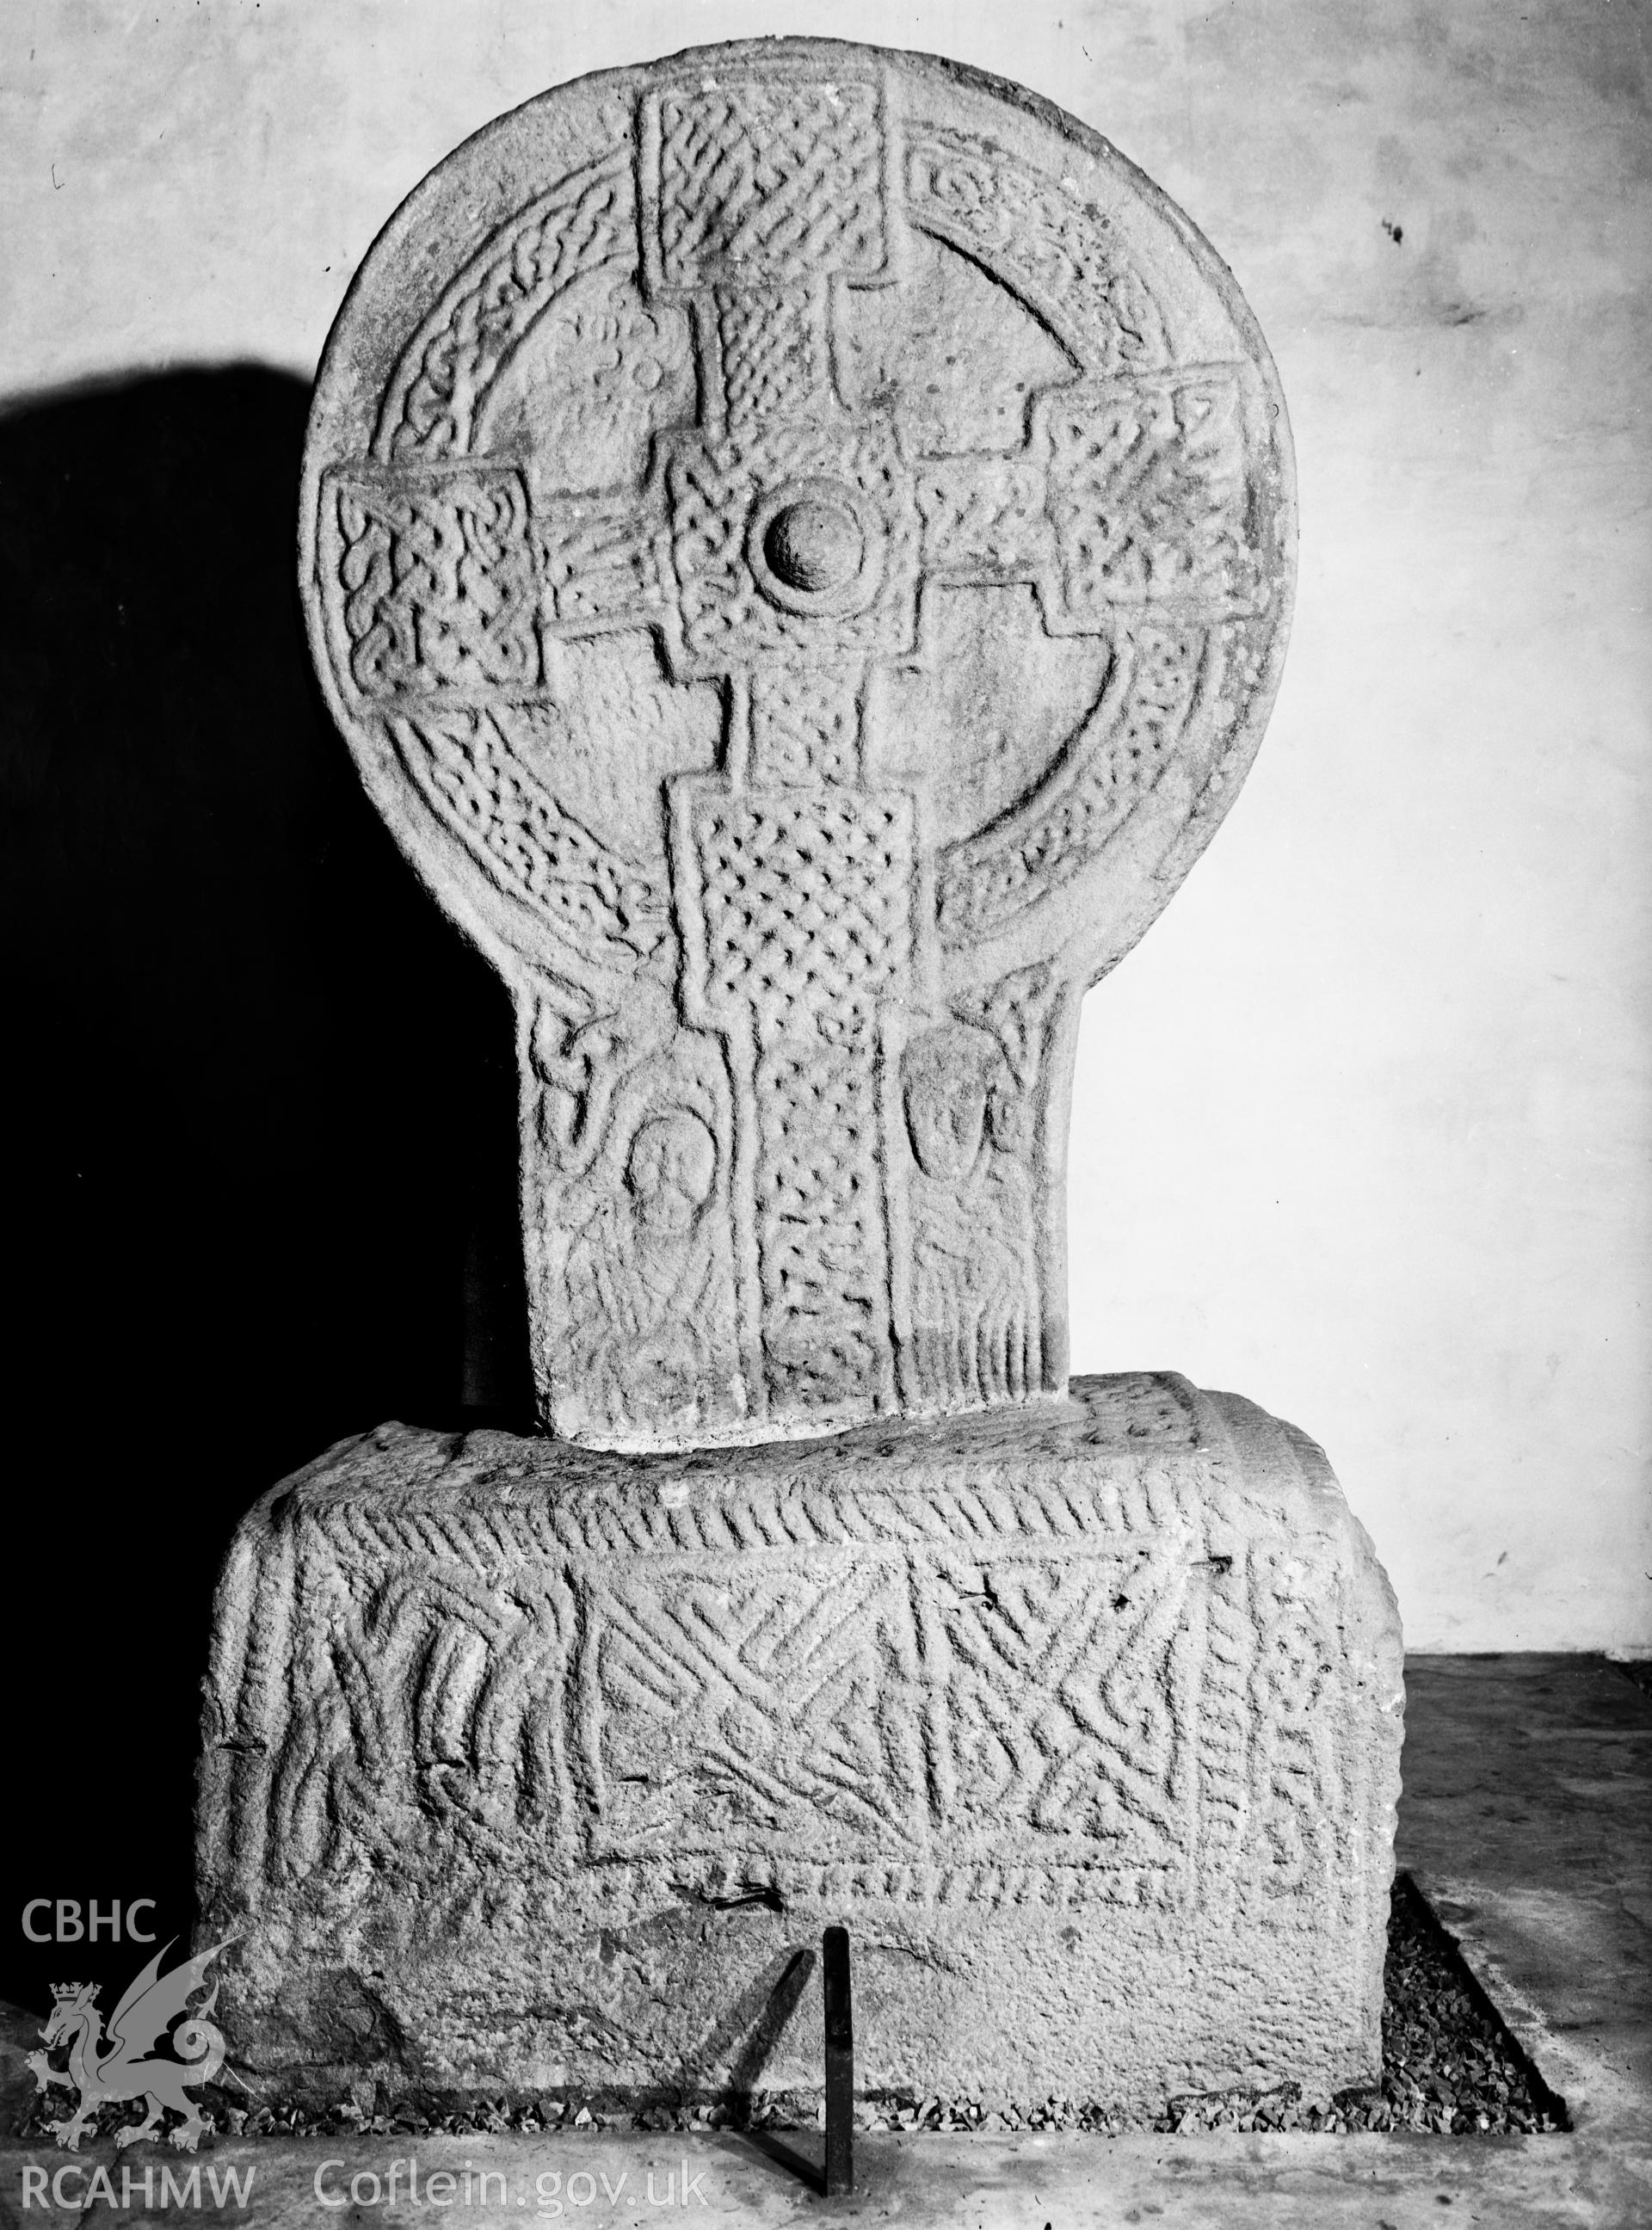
x=130 y=2068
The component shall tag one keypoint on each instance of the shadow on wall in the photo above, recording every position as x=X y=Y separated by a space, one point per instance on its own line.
x=260 y=1109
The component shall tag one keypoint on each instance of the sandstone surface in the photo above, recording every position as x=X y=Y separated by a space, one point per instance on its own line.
x=538 y=1766
x=799 y=540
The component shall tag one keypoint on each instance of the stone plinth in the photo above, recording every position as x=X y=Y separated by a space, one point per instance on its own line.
x=529 y=1764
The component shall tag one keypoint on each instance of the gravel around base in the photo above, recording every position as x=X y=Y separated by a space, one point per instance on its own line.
x=1450 y=2067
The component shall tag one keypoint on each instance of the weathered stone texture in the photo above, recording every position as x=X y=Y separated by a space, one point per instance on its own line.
x=533 y=1764
x=800 y=542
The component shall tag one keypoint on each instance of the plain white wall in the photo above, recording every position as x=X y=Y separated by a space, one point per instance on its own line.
x=1361 y=1128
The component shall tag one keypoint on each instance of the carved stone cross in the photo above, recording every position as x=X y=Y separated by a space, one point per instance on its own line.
x=799 y=542
x=802 y=580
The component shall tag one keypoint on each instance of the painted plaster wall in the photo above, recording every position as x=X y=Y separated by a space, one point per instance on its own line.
x=1361 y=1129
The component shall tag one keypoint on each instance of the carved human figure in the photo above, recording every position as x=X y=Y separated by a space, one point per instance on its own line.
x=801 y=550
x=640 y=1279
x=975 y=1282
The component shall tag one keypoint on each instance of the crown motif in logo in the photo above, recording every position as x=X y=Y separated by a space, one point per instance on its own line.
x=64 y=1991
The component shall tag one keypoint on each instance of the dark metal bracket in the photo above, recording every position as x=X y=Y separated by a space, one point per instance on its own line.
x=839 y=2064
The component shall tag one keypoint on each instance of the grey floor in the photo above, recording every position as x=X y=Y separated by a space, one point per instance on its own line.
x=1526 y=1822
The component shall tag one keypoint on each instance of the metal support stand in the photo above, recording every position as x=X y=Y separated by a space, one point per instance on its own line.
x=839 y=2064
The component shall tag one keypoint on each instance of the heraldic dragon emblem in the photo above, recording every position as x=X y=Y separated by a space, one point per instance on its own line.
x=130 y=2068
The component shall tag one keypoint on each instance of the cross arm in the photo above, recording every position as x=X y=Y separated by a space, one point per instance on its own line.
x=602 y=566
x=1128 y=492
x=438 y=581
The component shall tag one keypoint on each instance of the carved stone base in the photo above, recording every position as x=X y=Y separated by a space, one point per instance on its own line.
x=529 y=1766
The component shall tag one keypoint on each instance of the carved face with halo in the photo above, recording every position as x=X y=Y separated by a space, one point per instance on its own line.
x=953 y=1078
x=670 y=1171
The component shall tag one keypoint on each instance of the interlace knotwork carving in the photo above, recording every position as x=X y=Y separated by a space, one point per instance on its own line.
x=439 y=585
x=799 y=542
x=643 y=526
x=580 y=224
x=527 y=843
x=805 y=725
x=1018 y=1010
x=762 y=1683
x=1070 y=1680
x=600 y=564
x=807 y=903
x=1147 y=494
x=606 y=1673
x=776 y=180
x=984 y=520
x=963 y=189
x=805 y=899
x=819 y=1220
x=1296 y=1665
x=773 y=354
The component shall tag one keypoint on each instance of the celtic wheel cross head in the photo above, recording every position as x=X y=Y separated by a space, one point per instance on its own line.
x=799 y=542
